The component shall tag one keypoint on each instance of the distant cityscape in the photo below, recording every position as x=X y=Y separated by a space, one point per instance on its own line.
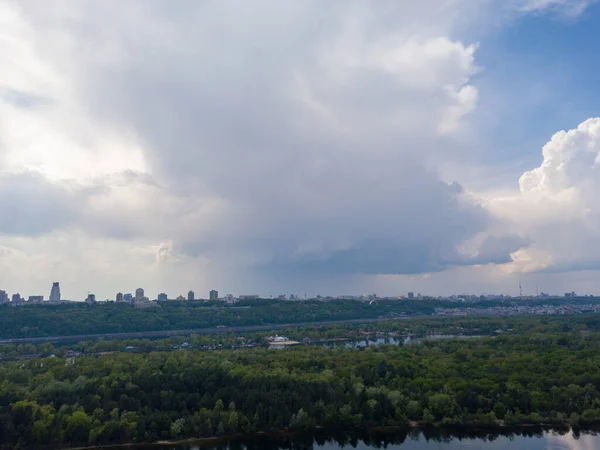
x=140 y=300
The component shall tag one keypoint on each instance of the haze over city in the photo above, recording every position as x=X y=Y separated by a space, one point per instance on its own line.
x=299 y=147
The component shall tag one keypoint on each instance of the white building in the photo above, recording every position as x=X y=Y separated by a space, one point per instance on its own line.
x=143 y=303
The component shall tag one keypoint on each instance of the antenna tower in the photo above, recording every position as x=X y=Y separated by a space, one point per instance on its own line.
x=520 y=289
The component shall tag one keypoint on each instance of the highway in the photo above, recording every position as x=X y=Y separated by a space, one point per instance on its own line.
x=167 y=333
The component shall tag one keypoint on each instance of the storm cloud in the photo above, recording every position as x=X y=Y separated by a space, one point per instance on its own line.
x=277 y=137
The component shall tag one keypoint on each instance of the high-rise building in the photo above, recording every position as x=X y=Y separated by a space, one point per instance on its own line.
x=3 y=297
x=127 y=298
x=139 y=294
x=91 y=298
x=162 y=297
x=411 y=295
x=55 y=292
x=119 y=297
x=191 y=295
x=213 y=295
x=140 y=300
x=16 y=298
x=36 y=298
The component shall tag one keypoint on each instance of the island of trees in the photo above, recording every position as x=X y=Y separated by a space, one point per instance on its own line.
x=544 y=371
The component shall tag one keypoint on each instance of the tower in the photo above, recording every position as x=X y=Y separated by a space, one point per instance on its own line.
x=55 y=292
x=139 y=294
x=520 y=289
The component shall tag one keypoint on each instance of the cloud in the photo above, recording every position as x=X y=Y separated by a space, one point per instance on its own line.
x=23 y=100
x=558 y=205
x=568 y=8
x=98 y=264
x=293 y=146
x=44 y=126
x=31 y=205
x=118 y=206
x=275 y=138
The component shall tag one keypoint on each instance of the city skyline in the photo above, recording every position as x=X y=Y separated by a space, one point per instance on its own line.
x=139 y=294
x=365 y=148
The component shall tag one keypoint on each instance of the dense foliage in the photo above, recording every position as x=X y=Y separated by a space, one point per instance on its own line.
x=333 y=334
x=77 y=319
x=81 y=319
x=528 y=377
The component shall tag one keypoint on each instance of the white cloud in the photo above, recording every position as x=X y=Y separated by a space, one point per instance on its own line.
x=557 y=205
x=102 y=265
x=44 y=126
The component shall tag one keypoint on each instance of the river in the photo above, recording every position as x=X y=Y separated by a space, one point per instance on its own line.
x=405 y=340
x=528 y=439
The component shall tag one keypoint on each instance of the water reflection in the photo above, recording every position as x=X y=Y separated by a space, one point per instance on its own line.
x=409 y=339
x=573 y=441
x=428 y=439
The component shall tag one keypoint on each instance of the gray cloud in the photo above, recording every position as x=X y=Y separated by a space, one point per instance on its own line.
x=366 y=223
x=115 y=206
x=24 y=100
x=497 y=249
x=31 y=205
x=283 y=136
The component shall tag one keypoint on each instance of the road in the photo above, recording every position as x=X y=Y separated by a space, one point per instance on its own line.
x=167 y=333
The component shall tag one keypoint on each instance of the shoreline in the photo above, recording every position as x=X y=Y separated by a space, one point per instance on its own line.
x=474 y=428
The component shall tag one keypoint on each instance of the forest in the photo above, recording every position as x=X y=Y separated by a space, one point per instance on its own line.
x=81 y=319
x=538 y=375
x=332 y=334
x=335 y=334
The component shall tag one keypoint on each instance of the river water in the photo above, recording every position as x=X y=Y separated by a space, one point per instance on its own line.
x=414 y=440
x=410 y=339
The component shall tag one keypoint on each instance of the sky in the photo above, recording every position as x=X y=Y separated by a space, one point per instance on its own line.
x=307 y=147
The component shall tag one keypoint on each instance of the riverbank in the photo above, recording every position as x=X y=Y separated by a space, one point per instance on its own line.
x=474 y=430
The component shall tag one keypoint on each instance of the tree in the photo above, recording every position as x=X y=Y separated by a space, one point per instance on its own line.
x=177 y=428
x=78 y=426
x=414 y=410
x=300 y=419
